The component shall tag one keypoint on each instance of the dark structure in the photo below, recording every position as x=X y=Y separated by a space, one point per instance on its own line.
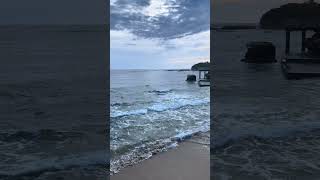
x=305 y=63
x=204 y=76
x=260 y=52
x=313 y=44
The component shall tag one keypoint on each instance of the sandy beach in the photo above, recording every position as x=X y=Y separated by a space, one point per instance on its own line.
x=189 y=161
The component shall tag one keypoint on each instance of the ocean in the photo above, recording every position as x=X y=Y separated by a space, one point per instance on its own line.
x=53 y=102
x=264 y=126
x=153 y=110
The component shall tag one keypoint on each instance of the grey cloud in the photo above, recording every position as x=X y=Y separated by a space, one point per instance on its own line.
x=185 y=17
x=125 y=3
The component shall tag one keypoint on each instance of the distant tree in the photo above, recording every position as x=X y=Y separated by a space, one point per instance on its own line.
x=200 y=65
x=291 y=13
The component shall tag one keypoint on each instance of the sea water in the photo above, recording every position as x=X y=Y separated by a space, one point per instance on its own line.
x=264 y=126
x=53 y=102
x=151 y=110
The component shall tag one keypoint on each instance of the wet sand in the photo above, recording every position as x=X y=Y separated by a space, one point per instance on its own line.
x=189 y=161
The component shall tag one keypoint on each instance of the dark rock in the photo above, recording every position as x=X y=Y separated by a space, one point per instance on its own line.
x=260 y=52
x=191 y=78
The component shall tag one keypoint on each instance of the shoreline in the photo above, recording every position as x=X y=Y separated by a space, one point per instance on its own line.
x=189 y=160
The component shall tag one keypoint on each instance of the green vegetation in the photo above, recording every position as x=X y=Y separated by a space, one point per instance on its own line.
x=200 y=65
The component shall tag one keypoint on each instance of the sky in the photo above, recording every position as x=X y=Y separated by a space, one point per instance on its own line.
x=145 y=34
x=173 y=34
x=159 y=34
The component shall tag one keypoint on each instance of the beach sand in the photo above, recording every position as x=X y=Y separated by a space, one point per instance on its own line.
x=189 y=161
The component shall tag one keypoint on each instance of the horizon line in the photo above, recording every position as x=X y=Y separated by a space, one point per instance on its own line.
x=149 y=69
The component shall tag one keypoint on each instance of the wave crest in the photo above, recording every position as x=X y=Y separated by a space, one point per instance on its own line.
x=161 y=106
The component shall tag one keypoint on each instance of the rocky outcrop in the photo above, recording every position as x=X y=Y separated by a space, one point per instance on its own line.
x=191 y=78
x=260 y=52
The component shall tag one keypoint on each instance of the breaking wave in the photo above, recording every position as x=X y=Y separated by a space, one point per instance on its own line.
x=161 y=106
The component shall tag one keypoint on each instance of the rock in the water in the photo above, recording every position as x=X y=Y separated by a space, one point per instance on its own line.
x=260 y=52
x=191 y=78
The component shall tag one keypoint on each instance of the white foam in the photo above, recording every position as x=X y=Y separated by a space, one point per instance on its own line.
x=118 y=113
x=173 y=145
x=170 y=143
x=188 y=133
x=175 y=103
x=178 y=103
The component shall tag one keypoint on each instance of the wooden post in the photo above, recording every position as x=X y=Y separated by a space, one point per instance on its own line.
x=287 y=41
x=303 y=40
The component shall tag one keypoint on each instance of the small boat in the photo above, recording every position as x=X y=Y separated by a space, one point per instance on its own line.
x=204 y=76
x=305 y=63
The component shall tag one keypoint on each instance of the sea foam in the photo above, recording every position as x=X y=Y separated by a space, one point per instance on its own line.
x=164 y=105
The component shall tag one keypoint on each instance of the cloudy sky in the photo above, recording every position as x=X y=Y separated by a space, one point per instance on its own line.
x=159 y=34
x=147 y=34
x=165 y=34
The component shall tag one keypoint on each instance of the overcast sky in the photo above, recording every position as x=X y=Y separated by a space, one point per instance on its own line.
x=145 y=34
x=164 y=34
x=159 y=34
